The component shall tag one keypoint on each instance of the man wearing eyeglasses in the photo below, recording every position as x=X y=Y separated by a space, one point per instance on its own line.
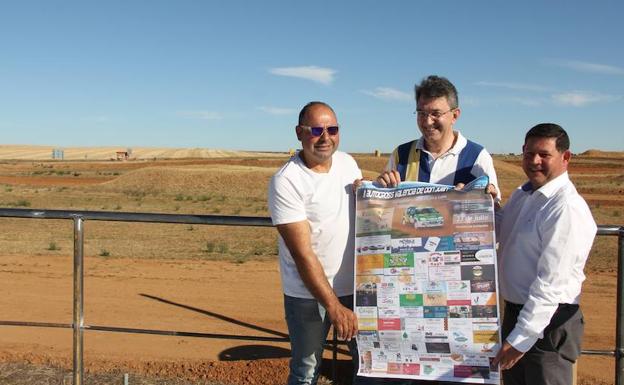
x=442 y=155
x=311 y=201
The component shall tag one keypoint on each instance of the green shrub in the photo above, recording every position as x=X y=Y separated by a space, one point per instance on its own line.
x=210 y=247
x=222 y=248
x=218 y=247
x=22 y=203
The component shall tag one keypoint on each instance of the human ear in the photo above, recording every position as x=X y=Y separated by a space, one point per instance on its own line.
x=567 y=154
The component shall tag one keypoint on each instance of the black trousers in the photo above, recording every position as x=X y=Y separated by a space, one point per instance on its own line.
x=550 y=360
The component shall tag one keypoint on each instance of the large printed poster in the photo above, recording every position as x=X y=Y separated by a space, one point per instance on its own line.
x=426 y=289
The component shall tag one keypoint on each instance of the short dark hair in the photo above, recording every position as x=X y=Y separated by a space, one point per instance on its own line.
x=434 y=86
x=307 y=107
x=550 y=130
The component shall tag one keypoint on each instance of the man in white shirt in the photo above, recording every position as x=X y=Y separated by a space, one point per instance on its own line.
x=545 y=234
x=311 y=201
x=441 y=155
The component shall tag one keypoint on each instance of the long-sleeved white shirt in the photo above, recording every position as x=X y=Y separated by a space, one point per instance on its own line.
x=544 y=240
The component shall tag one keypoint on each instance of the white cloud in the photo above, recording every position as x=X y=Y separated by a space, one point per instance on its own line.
x=470 y=100
x=314 y=73
x=563 y=98
x=514 y=86
x=387 y=93
x=529 y=102
x=582 y=98
x=200 y=114
x=588 y=67
x=277 y=110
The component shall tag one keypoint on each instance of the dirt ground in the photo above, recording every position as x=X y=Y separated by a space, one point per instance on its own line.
x=192 y=296
x=190 y=291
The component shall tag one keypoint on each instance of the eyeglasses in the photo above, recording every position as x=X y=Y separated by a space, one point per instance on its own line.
x=318 y=131
x=435 y=115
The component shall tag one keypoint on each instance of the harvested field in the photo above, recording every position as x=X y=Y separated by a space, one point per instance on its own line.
x=207 y=279
x=27 y=152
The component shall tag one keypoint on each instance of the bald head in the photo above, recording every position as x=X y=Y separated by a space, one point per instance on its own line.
x=307 y=110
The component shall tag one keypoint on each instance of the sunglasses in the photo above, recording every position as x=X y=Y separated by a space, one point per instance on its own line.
x=318 y=131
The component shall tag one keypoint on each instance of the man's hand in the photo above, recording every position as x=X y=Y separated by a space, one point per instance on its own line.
x=507 y=356
x=491 y=189
x=344 y=321
x=356 y=184
x=389 y=178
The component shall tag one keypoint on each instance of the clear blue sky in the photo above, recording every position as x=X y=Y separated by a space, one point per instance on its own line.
x=234 y=74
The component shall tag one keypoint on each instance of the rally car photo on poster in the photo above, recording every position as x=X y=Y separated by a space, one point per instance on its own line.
x=422 y=217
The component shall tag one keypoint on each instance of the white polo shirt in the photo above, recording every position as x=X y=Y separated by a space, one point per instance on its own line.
x=442 y=169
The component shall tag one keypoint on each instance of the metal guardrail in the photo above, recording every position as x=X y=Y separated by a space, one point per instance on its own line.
x=79 y=327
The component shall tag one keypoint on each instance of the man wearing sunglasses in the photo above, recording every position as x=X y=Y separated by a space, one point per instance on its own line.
x=442 y=155
x=311 y=201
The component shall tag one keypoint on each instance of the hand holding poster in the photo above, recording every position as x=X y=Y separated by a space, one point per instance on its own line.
x=425 y=285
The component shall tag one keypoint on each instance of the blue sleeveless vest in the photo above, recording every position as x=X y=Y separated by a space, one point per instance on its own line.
x=467 y=158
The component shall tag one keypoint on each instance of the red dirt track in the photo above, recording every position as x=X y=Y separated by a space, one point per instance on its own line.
x=193 y=296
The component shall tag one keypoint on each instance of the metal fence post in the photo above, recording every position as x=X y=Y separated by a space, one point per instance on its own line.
x=619 y=324
x=334 y=355
x=78 y=299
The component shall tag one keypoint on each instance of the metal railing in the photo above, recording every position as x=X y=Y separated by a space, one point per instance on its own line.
x=79 y=327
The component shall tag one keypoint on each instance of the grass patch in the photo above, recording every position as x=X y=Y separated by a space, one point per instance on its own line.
x=18 y=203
x=603 y=256
x=20 y=373
x=216 y=247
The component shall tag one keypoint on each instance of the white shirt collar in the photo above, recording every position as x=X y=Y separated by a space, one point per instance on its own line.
x=459 y=145
x=550 y=188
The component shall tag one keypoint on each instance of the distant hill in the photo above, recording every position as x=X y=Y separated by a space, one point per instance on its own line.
x=603 y=154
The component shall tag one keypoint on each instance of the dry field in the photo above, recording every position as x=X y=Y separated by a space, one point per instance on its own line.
x=208 y=279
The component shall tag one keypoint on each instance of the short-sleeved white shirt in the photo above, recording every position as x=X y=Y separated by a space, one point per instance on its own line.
x=326 y=201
